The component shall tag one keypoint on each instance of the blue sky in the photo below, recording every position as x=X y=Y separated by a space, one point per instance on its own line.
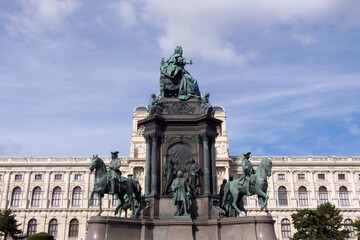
x=286 y=72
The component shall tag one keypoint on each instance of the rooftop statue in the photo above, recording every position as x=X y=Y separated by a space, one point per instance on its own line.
x=122 y=187
x=175 y=80
x=258 y=185
x=155 y=104
x=208 y=109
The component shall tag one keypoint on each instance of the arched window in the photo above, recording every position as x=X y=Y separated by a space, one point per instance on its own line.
x=285 y=228
x=56 y=197
x=32 y=227
x=76 y=198
x=16 y=197
x=323 y=195
x=343 y=196
x=303 y=200
x=348 y=226
x=260 y=201
x=74 y=228
x=36 y=197
x=95 y=199
x=282 y=196
x=53 y=227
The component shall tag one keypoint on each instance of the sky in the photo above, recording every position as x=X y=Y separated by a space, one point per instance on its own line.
x=286 y=72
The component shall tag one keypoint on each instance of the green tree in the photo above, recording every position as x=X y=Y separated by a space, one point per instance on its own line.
x=41 y=236
x=8 y=224
x=322 y=224
x=356 y=226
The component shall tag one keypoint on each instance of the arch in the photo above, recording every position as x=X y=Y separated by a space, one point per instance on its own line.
x=53 y=227
x=74 y=228
x=76 y=197
x=282 y=196
x=323 y=195
x=348 y=226
x=343 y=196
x=32 y=227
x=36 y=197
x=16 y=197
x=285 y=228
x=56 y=197
x=303 y=199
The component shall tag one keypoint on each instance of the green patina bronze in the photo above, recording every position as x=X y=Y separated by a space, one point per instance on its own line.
x=238 y=187
x=208 y=108
x=181 y=196
x=122 y=186
x=155 y=104
x=176 y=80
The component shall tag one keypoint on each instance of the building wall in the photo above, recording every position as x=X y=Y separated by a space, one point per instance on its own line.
x=285 y=173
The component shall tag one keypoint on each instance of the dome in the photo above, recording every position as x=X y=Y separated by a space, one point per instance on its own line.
x=219 y=109
x=141 y=109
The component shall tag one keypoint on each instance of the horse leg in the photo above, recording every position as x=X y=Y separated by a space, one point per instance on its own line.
x=234 y=204
x=91 y=198
x=241 y=202
x=265 y=198
x=100 y=209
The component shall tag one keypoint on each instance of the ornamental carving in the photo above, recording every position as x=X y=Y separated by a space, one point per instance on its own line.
x=181 y=108
x=221 y=148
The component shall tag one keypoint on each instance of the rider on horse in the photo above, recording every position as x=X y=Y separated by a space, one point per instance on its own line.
x=114 y=172
x=248 y=171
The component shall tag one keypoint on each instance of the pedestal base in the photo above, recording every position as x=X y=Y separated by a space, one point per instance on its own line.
x=247 y=228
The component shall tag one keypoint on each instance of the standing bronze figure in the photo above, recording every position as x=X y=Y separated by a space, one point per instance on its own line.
x=169 y=174
x=182 y=195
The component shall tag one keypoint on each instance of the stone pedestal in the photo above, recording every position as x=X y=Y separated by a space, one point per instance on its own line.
x=247 y=228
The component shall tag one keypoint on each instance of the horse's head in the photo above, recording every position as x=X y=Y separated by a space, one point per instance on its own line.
x=268 y=166
x=93 y=163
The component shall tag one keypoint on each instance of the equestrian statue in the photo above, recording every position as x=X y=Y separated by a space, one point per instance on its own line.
x=111 y=182
x=253 y=182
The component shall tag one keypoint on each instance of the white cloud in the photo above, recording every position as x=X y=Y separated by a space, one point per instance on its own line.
x=39 y=17
x=126 y=12
x=9 y=147
x=305 y=38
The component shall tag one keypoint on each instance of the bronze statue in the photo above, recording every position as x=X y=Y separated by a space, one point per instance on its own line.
x=208 y=109
x=181 y=82
x=194 y=176
x=169 y=174
x=238 y=190
x=123 y=186
x=155 y=104
x=182 y=195
x=114 y=170
x=248 y=171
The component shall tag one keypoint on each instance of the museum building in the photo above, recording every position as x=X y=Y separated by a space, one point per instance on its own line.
x=51 y=194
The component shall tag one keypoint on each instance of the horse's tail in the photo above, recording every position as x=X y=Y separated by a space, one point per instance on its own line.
x=226 y=193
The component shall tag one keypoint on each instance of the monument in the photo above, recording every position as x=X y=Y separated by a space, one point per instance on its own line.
x=180 y=198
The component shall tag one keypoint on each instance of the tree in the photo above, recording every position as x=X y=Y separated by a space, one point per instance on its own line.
x=8 y=224
x=356 y=226
x=322 y=224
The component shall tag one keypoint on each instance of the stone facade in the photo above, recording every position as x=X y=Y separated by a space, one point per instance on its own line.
x=58 y=188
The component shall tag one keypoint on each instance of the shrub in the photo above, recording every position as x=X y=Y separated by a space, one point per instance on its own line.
x=41 y=236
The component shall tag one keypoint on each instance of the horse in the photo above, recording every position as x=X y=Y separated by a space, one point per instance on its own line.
x=102 y=186
x=258 y=186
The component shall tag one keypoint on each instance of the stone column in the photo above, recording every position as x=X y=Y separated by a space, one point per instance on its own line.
x=206 y=165
x=213 y=167
x=148 y=166
x=154 y=166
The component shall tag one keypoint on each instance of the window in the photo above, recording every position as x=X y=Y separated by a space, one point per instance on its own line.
x=348 y=226
x=341 y=176
x=18 y=177
x=321 y=176
x=16 y=197
x=282 y=195
x=301 y=176
x=323 y=196
x=285 y=228
x=244 y=200
x=343 y=196
x=36 y=197
x=58 y=176
x=281 y=176
x=1 y=177
x=76 y=198
x=32 y=227
x=74 y=228
x=240 y=175
x=359 y=176
x=115 y=201
x=260 y=200
x=56 y=197
x=303 y=196
x=53 y=227
x=95 y=199
x=38 y=176
x=78 y=177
